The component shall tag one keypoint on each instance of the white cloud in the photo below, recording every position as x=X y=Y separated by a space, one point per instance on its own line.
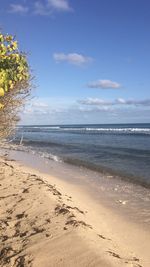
x=93 y=109
x=36 y=106
x=53 y=107
x=48 y=106
x=39 y=104
x=72 y=58
x=94 y=102
x=119 y=101
x=104 y=84
x=42 y=7
x=90 y=110
x=17 y=8
x=60 y=5
x=143 y=102
x=51 y=6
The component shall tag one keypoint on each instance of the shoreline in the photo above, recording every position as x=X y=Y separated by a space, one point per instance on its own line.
x=101 y=170
x=93 y=224
x=125 y=198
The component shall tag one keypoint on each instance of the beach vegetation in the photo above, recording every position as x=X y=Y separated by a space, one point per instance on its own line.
x=15 y=83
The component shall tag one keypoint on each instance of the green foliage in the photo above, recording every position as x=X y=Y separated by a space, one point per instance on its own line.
x=14 y=83
x=14 y=69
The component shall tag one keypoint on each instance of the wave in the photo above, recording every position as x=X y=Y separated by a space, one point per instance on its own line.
x=38 y=127
x=121 y=130
x=29 y=149
x=82 y=130
x=49 y=156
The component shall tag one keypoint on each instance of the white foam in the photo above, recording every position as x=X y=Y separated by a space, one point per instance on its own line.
x=50 y=156
x=120 y=130
x=92 y=129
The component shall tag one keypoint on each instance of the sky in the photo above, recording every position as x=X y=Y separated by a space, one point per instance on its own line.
x=90 y=59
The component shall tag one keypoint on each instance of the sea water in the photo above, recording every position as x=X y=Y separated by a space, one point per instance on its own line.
x=119 y=149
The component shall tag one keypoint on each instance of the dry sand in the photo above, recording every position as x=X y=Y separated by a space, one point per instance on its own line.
x=46 y=222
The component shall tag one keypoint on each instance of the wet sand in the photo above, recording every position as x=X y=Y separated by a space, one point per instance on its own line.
x=46 y=221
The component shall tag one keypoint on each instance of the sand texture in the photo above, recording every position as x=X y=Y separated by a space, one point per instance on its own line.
x=41 y=226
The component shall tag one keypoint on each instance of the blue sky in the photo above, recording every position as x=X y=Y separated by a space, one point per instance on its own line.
x=91 y=58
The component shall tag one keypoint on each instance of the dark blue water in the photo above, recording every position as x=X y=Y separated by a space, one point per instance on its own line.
x=120 y=149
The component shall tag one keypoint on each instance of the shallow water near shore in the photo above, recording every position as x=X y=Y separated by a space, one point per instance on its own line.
x=128 y=200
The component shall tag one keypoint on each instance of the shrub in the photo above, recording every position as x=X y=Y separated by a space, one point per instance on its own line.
x=15 y=83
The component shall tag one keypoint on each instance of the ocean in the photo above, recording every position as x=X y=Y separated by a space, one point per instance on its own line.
x=122 y=150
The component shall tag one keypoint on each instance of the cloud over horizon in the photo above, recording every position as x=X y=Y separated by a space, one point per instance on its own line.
x=119 y=101
x=90 y=110
x=104 y=84
x=47 y=107
x=72 y=58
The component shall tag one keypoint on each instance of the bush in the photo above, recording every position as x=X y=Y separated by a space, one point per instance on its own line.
x=15 y=83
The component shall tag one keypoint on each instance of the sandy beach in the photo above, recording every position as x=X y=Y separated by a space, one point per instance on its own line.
x=74 y=133
x=45 y=221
